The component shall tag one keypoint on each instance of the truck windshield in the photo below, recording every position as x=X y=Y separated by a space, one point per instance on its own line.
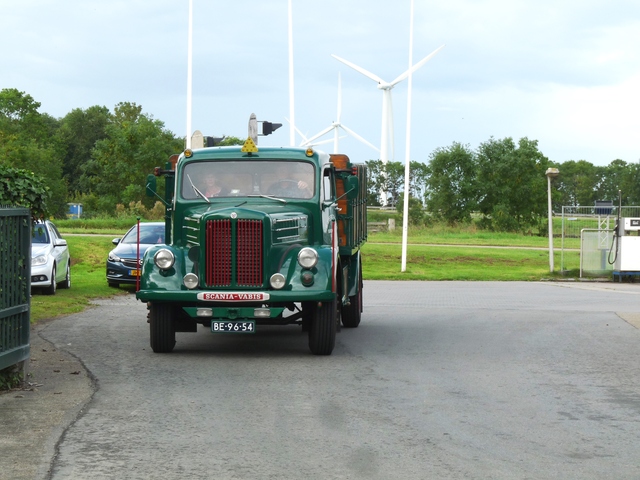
x=241 y=178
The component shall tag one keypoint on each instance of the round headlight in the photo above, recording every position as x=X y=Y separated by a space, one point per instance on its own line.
x=164 y=259
x=190 y=281
x=307 y=257
x=277 y=281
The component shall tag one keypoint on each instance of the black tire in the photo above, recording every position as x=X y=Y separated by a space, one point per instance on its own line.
x=307 y=315
x=113 y=284
x=66 y=283
x=322 y=331
x=352 y=313
x=162 y=329
x=51 y=289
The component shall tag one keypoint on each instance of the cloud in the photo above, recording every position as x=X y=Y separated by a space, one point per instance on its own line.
x=564 y=73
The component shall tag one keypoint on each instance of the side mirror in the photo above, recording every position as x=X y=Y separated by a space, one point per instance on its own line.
x=151 y=185
x=352 y=187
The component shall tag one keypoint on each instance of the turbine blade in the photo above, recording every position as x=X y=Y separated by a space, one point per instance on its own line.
x=417 y=66
x=364 y=72
x=322 y=142
x=358 y=137
x=304 y=138
x=318 y=135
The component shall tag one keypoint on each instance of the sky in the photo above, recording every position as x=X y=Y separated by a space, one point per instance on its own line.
x=565 y=73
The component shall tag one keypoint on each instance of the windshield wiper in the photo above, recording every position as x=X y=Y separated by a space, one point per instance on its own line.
x=198 y=192
x=269 y=196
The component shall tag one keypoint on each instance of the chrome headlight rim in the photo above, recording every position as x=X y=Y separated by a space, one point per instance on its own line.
x=164 y=259
x=307 y=258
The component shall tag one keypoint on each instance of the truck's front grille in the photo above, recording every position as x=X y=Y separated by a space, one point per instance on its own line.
x=289 y=228
x=234 y=253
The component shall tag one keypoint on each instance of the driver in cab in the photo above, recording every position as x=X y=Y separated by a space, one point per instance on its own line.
x=288 y=185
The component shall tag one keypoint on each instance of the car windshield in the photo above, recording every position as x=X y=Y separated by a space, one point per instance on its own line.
x=40 y=234
x=149 y=234
x=242 y=178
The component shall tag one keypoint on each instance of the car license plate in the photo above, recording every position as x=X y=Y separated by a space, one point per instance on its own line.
x=233 y=326
x=134 y=273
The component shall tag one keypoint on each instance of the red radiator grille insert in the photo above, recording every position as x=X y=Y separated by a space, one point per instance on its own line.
x=220 y=269
x=249 y=258
x=218 y=256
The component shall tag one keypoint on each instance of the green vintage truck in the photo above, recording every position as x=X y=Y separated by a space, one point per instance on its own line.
x=257 y=237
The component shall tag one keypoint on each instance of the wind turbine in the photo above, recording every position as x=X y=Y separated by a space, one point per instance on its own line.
x=387 y=105
x=292 y=134
x=336 y=126
x=305 y=141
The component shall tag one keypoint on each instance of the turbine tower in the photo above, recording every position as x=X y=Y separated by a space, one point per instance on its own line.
x=387 y=104
x=336 y=126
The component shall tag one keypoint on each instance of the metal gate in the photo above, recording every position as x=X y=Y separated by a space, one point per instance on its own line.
x=15 y=285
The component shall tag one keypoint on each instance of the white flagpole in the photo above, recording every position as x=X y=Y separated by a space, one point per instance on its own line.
x=405 y=216
x=292 y=127
x=189 y=73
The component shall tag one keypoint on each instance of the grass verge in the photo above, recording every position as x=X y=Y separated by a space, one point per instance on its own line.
x=428 y=262
x=381 y=260
x=88 y=281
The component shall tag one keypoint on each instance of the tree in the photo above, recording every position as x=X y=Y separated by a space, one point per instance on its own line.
x=27 y=142
x=133 y=146
x=374 y=182
x=230 y=141
x=620 y=176
x=79 y=132
x=389 y=178
x=578 y=183
x=416 y=210
x=452 y=188
x=512 y=185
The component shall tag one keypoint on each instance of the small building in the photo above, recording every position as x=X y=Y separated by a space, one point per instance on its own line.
x=75 y=210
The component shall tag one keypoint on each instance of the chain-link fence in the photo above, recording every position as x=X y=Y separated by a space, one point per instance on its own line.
x=590 y=230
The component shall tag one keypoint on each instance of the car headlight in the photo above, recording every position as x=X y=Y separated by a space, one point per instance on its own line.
x=39 y=260
x=114 y=258
x=164 y=259
x=307 y=257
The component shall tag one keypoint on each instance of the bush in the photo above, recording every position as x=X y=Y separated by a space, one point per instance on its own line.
x=22 y=188
x=416 y=211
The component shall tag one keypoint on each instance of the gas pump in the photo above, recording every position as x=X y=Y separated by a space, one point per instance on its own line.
x=626 y=242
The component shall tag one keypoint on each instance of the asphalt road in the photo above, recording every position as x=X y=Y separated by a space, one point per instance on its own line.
x=446 y=380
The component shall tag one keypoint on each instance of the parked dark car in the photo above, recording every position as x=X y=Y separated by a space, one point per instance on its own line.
x=50 y=259
x=123 y=264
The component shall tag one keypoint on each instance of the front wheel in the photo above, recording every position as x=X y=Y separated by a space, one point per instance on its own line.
x=66 y=283
x=322 y=331
x=162 y=328
x=51 y=289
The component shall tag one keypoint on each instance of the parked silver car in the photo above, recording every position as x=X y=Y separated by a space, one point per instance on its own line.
x=50 y=260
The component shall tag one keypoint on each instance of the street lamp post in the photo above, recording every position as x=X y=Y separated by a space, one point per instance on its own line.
x=551 y=173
